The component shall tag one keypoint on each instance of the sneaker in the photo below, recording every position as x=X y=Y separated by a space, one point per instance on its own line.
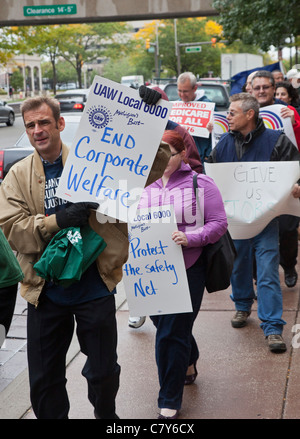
x=136 y=322
x=276 y=343
x=239 y=319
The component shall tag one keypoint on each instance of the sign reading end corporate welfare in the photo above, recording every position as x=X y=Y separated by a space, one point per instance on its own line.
x=113 y=149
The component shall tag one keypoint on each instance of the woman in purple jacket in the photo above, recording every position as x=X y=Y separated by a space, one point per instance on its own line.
x=176 y=349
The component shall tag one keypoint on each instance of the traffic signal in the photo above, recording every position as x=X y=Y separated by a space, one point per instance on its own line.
x=147 y=43
x=213 y=42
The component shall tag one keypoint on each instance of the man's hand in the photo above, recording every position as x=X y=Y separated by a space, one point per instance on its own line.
x=150 y=96
x=75 y=215
x=296 y=191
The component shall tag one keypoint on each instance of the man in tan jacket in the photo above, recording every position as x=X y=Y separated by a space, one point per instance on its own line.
x=30 y=216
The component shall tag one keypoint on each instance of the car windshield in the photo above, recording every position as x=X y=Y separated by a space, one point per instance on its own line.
x=214 y=94
x=67 y=135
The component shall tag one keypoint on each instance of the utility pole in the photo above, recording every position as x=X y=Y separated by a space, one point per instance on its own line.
x=179 y=45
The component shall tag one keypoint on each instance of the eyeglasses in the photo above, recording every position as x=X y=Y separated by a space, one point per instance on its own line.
x=263 y=87
x=175 y=153
x=231 y=113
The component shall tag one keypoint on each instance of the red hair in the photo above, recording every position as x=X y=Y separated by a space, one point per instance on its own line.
x=175 y=140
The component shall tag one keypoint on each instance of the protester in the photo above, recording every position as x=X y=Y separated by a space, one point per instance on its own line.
x=278 y=76
x=29 y=225
x=10 y=275
x=175 y=347
x=249 y=140
x=293 y=76
x=152 y=95
x=188 y=91
x=248 y=85
x=287 y=93
x=263 y=89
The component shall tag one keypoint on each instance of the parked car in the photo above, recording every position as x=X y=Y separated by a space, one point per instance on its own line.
x=73 y=100
x=214 y=91
x=7 y=114
x=22 y=148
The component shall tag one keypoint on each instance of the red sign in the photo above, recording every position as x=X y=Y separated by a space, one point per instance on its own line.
x=193 y=116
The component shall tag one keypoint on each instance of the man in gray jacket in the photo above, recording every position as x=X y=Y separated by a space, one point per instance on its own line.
x=30 y=215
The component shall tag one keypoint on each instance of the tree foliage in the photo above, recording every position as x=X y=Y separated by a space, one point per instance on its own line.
x=259 y=22
x=189 y=30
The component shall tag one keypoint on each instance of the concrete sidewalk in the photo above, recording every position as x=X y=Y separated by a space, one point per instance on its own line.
x=238 y=377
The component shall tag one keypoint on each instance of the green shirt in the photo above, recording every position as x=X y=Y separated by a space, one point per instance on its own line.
x=10 y=270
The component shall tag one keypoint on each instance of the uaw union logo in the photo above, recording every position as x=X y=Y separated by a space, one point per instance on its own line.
x=99 y=116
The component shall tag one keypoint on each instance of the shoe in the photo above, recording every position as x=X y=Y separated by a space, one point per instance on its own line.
x=276 y=343
x=239 y=319
x=115 y=416
x=175 y=416
x=189 y=379
x=136 y=322
x=290 y=277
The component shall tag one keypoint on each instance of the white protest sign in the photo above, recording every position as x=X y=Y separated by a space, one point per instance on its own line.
x=193 y=116
x=154 y=275
x=270 y=115
x=220 y=126
x=254 y=193
x=273 y=120
x=113 y=149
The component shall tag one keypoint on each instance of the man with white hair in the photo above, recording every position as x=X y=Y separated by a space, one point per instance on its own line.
x=188 y=91
x=293 y=76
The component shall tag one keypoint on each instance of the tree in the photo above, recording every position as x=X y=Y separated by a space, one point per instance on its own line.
x=84 y=43
x=189 y=30
x=260 y=22
x=16 y=80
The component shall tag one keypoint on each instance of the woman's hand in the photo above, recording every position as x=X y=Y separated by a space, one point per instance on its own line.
x=287 y=112
x=296 y=191
x=179 y=238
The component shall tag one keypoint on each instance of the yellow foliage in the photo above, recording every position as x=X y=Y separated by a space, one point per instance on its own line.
x=213 y=28
x=148 y=31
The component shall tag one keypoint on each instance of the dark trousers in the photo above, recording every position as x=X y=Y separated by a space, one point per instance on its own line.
x=50 y=330
x=175 y=345
x=288 y=240
x=7 y=305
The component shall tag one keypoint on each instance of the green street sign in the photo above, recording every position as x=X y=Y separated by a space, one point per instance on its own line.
x=193 y=49
x=31 y=11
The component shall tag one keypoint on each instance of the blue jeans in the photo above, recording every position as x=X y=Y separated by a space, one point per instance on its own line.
x=265 y=248
x=175 y=346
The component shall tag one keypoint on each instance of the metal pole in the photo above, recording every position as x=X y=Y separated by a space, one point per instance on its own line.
x=178 y=60
x=177 y=48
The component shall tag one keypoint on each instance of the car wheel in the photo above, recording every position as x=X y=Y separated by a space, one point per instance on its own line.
x=11 y=119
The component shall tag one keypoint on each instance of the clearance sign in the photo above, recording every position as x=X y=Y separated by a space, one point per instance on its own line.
x=193 y=116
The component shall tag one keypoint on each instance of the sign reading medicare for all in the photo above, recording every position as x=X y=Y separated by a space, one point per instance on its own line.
x=113 y=149
x=155 y=278
x=193 y=116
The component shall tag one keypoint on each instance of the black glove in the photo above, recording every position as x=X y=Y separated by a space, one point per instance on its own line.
x=149 y=95
x=75 y=215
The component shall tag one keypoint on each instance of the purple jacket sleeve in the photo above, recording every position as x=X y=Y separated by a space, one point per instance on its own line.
x=215 y=220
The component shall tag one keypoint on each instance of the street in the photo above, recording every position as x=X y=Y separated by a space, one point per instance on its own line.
x=9 y=135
